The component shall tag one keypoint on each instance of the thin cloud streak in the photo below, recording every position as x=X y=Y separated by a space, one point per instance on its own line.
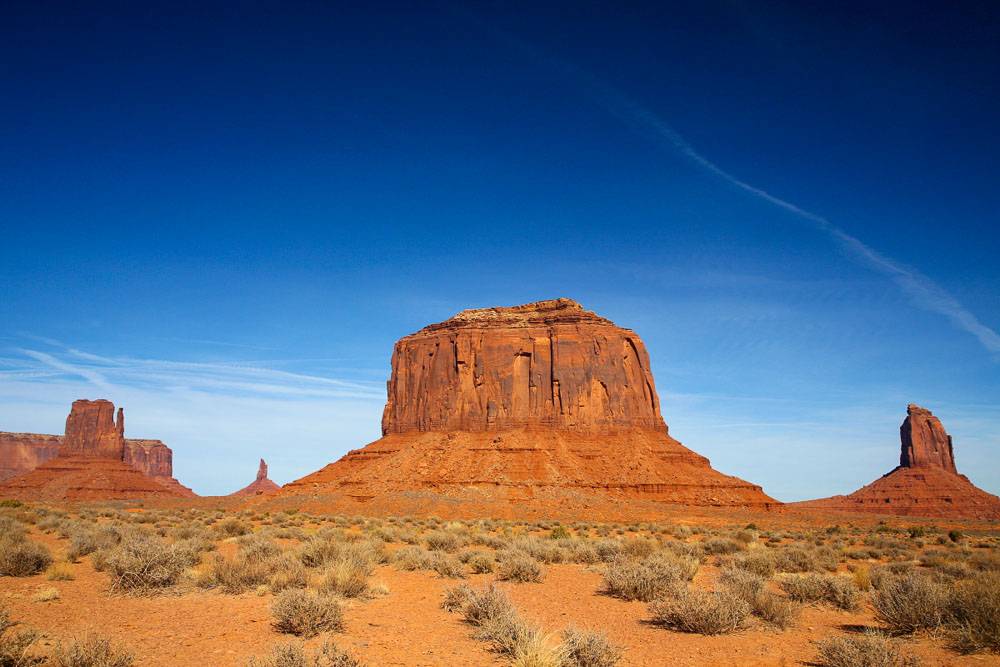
x=921 y=290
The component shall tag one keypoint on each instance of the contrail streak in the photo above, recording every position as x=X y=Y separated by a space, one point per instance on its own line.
x=921 y=290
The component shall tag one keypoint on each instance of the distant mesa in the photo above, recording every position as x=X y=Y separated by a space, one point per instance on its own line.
x=261 y=486
x=926 y=482
x=92 y=461
x=535 y=410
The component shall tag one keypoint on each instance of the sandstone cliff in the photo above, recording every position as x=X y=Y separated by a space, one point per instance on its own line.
x=261 y=486
x=544 y=408
x=93 y=461
x=23 y=452
x=926 y=482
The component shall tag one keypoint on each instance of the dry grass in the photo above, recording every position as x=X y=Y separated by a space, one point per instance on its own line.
x=867 y=650
x=20 y=557
x=142 y=565
x=92 y=651
x=909 y=603
x=974 y=614
x=17 y=648
x=586 y=648
x=294 y=654
x=647 y=579
x=306 y=614
x=519 y=567
x=832 y=589
x=706 y=613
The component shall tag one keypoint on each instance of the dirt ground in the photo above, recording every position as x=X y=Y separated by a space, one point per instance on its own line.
x=406 y=625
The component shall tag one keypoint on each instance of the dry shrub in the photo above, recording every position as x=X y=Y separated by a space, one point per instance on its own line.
x=586 y=648
x=486 y=603
x=456 y=597
x=231 y=527
x=757 y=561
x=974 y=618
x=446 y=565
x=871 y=649
x=306 y=614
x=294 y=655
x=86 y=540
x=92 y=651
x=141 y=565
x=910 y=603
x=645 y=580
x=443 y=540
x=481 y=563
x=774 y=609
x=742 y=583
x=16 y=648
x=706 y=613
x=346 y=578
x=519 y=567
x=413 y=558
x=523 y=642
x=722 y=545
x=795 y=559
x=829 y=588
x=20 y=557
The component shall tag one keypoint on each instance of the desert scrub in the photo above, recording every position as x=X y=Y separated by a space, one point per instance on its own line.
x=484 y=604
x=294 y=655
x=412 y=558
x=832 y=589
x=306 y=614
x=706 y=613
x=757 y=561
x=17 y=648
x=231 y=527
x=586 y=648
x=481 y=563
x=456 y=597
x=346 y=578
x=92 y=651
x=909 y=603
x=20 y=557
x=519 y=567
x=974 y=614
x=722 y=545
x=141 y=565
x=871 y=649
x=644 y=580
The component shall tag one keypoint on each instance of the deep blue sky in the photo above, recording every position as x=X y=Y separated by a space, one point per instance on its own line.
x=223 y=218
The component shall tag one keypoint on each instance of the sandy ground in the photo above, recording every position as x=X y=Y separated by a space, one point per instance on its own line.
x=407 y=626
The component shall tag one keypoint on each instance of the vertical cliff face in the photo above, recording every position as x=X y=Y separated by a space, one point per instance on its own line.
x=23 y=452
x=924 y=441
x=149 y=456
x=543 y=409
x=549 y=364
x=91 y=430
x=926 y=483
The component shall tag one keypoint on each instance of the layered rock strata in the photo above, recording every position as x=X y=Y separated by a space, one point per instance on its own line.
x=926 y=482
x=498 y=408
x=93 y=461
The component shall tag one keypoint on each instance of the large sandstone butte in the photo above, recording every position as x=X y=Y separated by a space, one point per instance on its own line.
x=926 y=482
x=93 y=461
x=533 y=410
x=261 y=486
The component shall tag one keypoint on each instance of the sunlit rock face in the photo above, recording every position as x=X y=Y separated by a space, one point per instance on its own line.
x=543 y=409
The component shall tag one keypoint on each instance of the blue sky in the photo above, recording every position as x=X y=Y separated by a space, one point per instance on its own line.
x=223 y=217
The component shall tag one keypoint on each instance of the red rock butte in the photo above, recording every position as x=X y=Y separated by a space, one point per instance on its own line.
x=533 y=410
x=926 y=482
x=93 y=461
x=261 y=486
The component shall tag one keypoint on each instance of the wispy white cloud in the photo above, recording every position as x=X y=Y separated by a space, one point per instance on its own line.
x=921 y=290
x=218 y=417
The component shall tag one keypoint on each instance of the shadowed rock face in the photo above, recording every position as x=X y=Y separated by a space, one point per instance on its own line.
x=926 y=483
x=924 y=441
x=543 y=409
x=550 y=364
x=23 y=452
